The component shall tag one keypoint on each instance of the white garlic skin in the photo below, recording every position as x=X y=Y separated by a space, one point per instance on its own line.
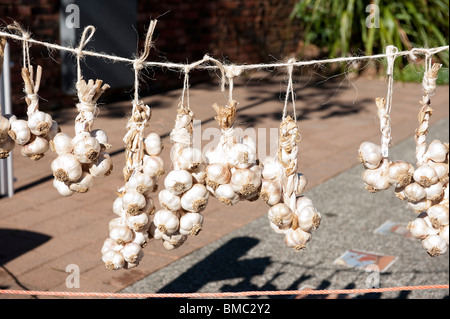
x=54 y=129
x=414 y=192
x=419 y=229
x=62 y=188
x=113 y=260
x=20 y=132
x=301 y=202
x=132 y=253
x=169 y=200
x=245 y=182
x=62 y=144
x=441 y=169
x=241 y=156
x=102 y=166
x=270 y=192
x=117 y=207
x=281 y=215
x=137 y=222
x=5 y=125
x=153 y=165
x=439 y=216
x=101 y=137
x=226 y=194
x=444 y=233
x=437 y=152
x=309 y=218
x=39 y=123
x=217 y=174
x=166 y=221
x=400 y=173
x=121 y=235
x=35 y=148
x=110 y=244
x=435 y=245
x=425 y=176
x=435 y=192
x=377 y=179
x=191 y=224
x=370 y=155
x=178 y=181
x=140 y=182
x=189 y=159
x=133 y=202
x=6 y=147
x=420 y=206
x=84 y=184
x=297 y=239
x=66 y=168
x=272 y=169
x=86 y=149
x=153 y=144
x=279 y=230
x=195 y=199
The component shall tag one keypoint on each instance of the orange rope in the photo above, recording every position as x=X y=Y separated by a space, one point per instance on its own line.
x=218 y=294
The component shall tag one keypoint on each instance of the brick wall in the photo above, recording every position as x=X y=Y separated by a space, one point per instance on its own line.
x=238 y=31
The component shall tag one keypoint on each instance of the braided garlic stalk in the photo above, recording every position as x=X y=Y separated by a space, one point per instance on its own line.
x=291 y=213
x=233 y=172
x=185 y=195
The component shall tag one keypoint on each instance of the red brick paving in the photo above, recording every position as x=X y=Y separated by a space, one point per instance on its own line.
x=77 y=226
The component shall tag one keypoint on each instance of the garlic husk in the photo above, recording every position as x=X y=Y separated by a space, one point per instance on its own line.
x=281 y=215
x=133 y=202
x=369 y=155
x=154 y=231
x=140 y=238
x=309 y=218
x=141 y=182
x=153 y=144
x=5 y=125
x=438 y=215
x=66 y=168
x=377 y=179
x=437 y=152
x=62 y=144
x=217 y=174
x=137 y=222
x=195 y=199
x=113 y=260
x=153 y=165
x=189 y=159
x=226 y=194
x=166 y=221
x=302 y=181
x=39 y=123
x=35 y=149
x=62 y=188
x=6 y=147
x=420 y=206
x=414 y=192
x=86 y=149
x=173 y=241
x=435 y=192
x=279 y=230
x=241 y=156
x=270 y=192
x=20 y=132
x=132 y=253
x=117 y=207
x=419 y=229
x=272 y=169
x=435 y=245
x=121 y=235
x=245 y=182
x=101 y=137
x=102 y=166
x=199 y=174
x=191 y=224
x=83 y=185
x=178 y=181
x=444 y=233
x=425 y=175
x=400 y=173
x=54 y=130
x=169 y=200
x=297 y=239
x=149 y=207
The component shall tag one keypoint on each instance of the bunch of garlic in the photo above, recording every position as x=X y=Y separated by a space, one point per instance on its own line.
x=7 y=144
x=128 y=233
x=84 y=157
x=233 y=172
x=185 y=195
x=34 y=134
x=291 y=213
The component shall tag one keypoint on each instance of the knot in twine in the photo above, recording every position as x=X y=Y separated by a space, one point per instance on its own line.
x=86 y=107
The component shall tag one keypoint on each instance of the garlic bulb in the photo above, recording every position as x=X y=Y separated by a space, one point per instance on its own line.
x=270 y=192
x=178 y=181
x=226 y=194
x=420 y=206
x=140 y=182
x=301 y=202
x=195 y=199
x=62 y=188
x=102 y=166
x=435 y=192
x=153 y=144
x=441 y=171
x=35 y=148
x=6 y=147
x=309 y=218
x=425 y=175
x=173 y=241
x=153 y=165
x=54 y=130
x=217 y=174
x=166 y=221
x=278 y=229
x=39 y=123
x=83 y=185
x=281 y=215
x=189 y=159
x=132 y=253
x=400 y=173
x=113 y=260
x=199 y=174
x=133 y=202
x=245 y=182
x=4 y=128
x=62 y=144
x=438 y=215
x=121 y=235
x=66 y=168
x=377 y=179
x=419 y=229
x=415 y=192
x=169 y=200
x=370 y=155
x=241 y=156
x=437 y=152
x=110 y=244
x=297 y=239
x=117 y=207
x=86 y=149
x=444 y=233
x=272 y=169
x=435 y=245
x=137 y=222
x=20 y=132
x=191 y=224
x=101 y=137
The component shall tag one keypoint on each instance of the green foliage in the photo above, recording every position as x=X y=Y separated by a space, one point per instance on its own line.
x=340 y=27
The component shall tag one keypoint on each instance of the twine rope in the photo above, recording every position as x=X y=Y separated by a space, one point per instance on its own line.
x=290 y=90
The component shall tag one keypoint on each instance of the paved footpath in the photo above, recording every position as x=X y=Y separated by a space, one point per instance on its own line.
x=42 y=233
